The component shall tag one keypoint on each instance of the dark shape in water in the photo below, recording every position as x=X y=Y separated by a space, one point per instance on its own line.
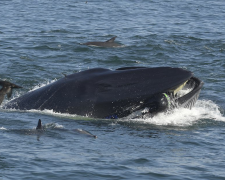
x=81 y=131
x=39 y=126
x=6 y=89
x=108 y=43
x=103 y=93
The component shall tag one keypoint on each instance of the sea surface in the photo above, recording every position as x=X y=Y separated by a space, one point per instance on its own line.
x=40 y=41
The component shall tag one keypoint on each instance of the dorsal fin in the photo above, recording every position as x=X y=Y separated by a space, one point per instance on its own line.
x=39 y=126
x=112 y=39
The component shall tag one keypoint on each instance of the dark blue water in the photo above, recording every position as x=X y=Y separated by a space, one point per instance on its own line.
x=39 y=40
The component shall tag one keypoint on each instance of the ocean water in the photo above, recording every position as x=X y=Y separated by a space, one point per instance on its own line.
x=40 y=41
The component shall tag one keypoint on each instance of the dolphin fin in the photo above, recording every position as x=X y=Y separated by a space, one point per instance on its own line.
x=39 y=126
x=6 y=89
x=112 y=39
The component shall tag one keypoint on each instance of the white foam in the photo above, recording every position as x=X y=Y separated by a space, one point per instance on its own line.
x=203 y=109
x=59 y=126
x=2 y=128
x=53 y=125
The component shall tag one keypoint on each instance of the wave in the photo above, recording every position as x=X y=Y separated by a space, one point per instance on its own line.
x=2 y=128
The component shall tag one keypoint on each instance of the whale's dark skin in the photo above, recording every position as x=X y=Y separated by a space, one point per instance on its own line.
x=103 y=93
x=108 y=43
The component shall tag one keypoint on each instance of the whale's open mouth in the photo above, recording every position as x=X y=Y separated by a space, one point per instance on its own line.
x=187 y=100
x=184 y=95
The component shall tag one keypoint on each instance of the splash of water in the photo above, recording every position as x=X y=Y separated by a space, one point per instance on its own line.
x=2 y=128
x=203 y=109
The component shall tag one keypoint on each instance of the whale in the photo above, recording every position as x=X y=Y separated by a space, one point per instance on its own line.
x=7 y=88
x=111 y=94
x=108 y=43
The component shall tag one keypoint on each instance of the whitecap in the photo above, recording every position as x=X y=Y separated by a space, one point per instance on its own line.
x=2 y=128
